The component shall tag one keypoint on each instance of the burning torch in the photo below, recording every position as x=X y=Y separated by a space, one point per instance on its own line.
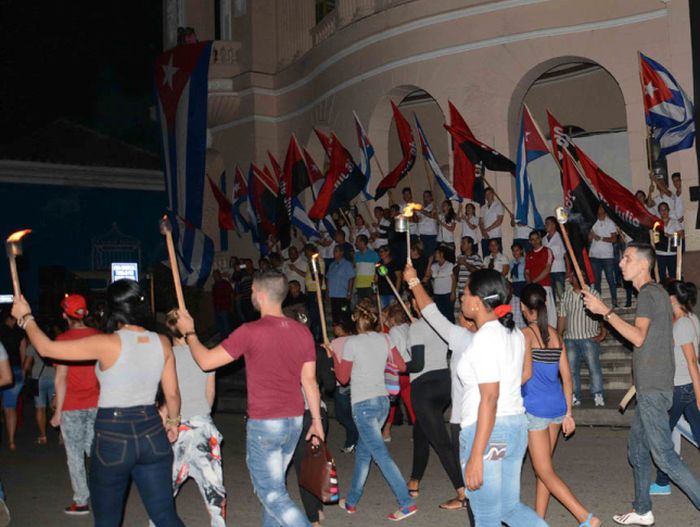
x=319 y=297
x=166 y=229
x=678 y=245
x=383 y=271
x=14 y=249
x=562 y=217
x=401 y=224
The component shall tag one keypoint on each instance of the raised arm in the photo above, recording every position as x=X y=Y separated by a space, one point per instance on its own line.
x=635 y=333
x=207 y=359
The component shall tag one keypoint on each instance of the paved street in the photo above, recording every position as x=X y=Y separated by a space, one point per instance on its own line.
x=593 y=463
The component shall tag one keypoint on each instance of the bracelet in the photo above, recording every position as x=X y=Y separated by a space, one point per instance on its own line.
x=173 y=421
x=413 y=282
x=189 y=334
x=22 y=322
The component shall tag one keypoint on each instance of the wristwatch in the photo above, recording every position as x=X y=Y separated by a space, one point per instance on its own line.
x=606 y=316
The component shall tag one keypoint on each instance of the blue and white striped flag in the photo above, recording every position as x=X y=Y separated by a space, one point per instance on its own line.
x=366 y=155
x=301 y=220
x=531 y=146
x=195 y=252
x=445 y=185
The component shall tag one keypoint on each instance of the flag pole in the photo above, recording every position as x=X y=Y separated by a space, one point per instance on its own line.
x=496 y=194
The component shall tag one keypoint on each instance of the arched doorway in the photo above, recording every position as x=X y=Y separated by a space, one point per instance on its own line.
x=585 y=98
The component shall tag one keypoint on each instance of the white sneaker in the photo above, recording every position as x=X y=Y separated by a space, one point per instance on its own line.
x=576 y=401
x=632 y=518
x=598 y=399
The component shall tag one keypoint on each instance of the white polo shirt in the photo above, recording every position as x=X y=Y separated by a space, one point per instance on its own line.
x=556 y=245
x=489 y=214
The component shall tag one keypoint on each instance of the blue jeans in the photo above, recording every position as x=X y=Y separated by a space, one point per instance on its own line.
x=558 y=283
x=46 y=392
x=589 y=351
x=130 y=443
x=11 y=393
x=2 y=492
x=343 y=413
x=608 y=265
x=498 y=499
x=684 y=404
x=387 y=299
x=650 y=439
x=270 y=445
x=369 y=417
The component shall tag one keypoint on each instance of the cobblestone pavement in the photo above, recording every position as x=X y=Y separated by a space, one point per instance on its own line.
x=593 y=463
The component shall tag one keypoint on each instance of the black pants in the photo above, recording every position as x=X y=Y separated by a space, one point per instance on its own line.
x=340 y=308
x=312 y=505
x=430 y=395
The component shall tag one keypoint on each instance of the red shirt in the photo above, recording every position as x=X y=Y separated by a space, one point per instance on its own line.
x=222 y=293
x=275 y=349
x=536 y=261
x=82 y=386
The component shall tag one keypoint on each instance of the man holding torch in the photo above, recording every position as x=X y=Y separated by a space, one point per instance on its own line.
x=653 y=366
x=275 y=403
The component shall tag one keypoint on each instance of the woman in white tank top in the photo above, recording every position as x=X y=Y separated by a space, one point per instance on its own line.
x=130 y=439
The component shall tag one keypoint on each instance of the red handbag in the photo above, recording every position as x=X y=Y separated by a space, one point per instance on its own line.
x=318 y=473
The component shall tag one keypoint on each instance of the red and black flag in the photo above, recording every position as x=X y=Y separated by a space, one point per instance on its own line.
x=464 y=177
x=295 y=172
x=577 y=197
x=326 y=142
x=263 y=193
x=344 y=181
x=480 y=153
x=620 y=204
x=408 y=147
x=225 y=207
x=276 y=170
x=315 y=174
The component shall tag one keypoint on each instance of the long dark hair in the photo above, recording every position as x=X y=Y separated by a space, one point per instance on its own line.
x=492 y=288
x=125 y=305
x=685 y=292
x=534 y=297
x=450 y=216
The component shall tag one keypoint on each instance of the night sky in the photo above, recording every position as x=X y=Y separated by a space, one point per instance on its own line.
x=90 y=62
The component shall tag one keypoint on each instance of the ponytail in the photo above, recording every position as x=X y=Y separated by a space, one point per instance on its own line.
x=534 y=297
x=492 y=288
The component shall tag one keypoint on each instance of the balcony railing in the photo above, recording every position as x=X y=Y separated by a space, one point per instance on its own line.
x=224 y=62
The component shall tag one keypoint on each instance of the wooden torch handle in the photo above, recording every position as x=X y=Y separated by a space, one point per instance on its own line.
x=398 y=297
x=572 y=255
x=322 y=313
x=15 y=277
x=175 y=270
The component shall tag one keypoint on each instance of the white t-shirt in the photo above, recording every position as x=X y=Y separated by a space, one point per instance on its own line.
x=444 y=234
x=494 y=355
x=556 y=245
x=442 y=278
x=489 y=214
x=498 y=262
x=668 y=200
x=427 y=226
x=604 y=229
x=420 y=333
x=475 y=233
x=670 y=227
x=522 y=232
x=362 y=230
x=678 y=205
x=324 y=251
x=301 y=264
x=686 y=330
x=368 y=353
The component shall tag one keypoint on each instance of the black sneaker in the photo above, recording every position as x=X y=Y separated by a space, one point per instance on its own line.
x=77 y=510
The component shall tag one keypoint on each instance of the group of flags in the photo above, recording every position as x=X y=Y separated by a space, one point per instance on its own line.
x=267 y=201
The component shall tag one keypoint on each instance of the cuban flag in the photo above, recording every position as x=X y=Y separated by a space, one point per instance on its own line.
x=181 y=77
x=301 y=220
x=366 y=155
x=317 y=180
x=531 y=146
x=445 y=185
x=667 y=108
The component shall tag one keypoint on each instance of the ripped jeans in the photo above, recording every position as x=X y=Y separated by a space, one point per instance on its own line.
x=270 y=445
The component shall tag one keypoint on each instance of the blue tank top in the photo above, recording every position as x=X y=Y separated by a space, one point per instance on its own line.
x=543 y=395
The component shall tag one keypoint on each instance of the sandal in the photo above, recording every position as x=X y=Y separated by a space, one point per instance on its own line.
x=454 y=504
x=414 y=491
x=41 y=440
x=587 y=523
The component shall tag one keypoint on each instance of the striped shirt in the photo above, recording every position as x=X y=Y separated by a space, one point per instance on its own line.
x=579 y=323
x=463 y=273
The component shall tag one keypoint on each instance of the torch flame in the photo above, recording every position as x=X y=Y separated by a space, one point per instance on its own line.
x=410 y=207
x=657 y=224
x=314 y=256
x=17 y=236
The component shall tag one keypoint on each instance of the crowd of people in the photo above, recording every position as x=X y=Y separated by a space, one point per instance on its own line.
x=498 y=340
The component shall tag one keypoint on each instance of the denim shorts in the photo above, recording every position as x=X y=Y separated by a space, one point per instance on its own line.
x=10 y=394
x=46 y=392
x=535 y=423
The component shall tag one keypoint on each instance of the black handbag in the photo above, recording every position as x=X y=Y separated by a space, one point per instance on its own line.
x=32 y=385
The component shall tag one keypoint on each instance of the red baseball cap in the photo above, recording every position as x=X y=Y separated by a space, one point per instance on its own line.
x=74 y=306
